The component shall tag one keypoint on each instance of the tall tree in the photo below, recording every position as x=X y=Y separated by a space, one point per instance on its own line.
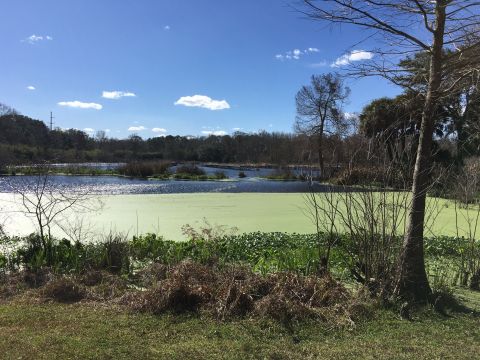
x=319 y=109
x=444 y=24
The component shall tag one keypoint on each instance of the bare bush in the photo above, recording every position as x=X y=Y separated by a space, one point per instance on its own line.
x=467 y=208
x=207 y=231
x=46 y=203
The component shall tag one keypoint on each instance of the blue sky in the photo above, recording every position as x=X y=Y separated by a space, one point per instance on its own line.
x=138 y=64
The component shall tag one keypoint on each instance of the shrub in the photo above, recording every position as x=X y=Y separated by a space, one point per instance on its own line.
x=145 y=169
x=371 y=175
x=115 y=254
x=190 y=170
x=220 y=175
x=282 y=174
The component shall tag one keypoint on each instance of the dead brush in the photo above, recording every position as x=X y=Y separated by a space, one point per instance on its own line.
x=17 y=283
x=187 y=286
x=102 y=285
x=294 y=298
x=64 y=290
x=11 y=285
x=151 y=275
x=238 y=292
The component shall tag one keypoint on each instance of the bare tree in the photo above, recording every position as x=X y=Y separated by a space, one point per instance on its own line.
x=46 y=203
x=406 y=27
x=7 y=110
x=319 y=110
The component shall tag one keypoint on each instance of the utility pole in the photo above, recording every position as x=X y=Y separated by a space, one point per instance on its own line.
x=51 y=121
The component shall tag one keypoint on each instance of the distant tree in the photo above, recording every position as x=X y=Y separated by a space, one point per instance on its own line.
x=101 y=136
x=7 y=110
x=319 y=110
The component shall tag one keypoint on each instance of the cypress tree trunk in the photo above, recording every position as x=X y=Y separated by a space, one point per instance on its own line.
x=412 y=282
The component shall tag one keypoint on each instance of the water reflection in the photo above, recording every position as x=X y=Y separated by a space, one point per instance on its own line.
x=112 y=185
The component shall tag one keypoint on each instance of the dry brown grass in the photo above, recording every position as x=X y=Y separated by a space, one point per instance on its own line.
x=63 y=290
x=224 y=293
x=238 y=292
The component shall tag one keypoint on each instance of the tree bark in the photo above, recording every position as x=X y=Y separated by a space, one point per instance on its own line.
x=320 y=156
x=321 y=161
x=412 y=282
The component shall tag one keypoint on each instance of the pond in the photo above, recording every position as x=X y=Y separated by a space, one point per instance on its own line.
x=137 y=206
x=116 y=185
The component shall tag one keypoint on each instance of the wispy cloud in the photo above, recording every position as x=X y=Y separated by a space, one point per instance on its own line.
x=203 y=101
x=296 y=54
x=166 y=27
x=115 y=95
x=355 y=55
x=31 y=87
x=214 y=132
x=89 y=130
x=80 y=105
x=32 y=39
x=159 y=130
x=137 y=128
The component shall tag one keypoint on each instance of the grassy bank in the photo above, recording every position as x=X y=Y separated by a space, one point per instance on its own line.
x=53 y=331
x=235 y=297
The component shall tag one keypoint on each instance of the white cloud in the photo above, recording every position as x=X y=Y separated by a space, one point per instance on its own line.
x=137 y=128
x=107 y=130
x=32 y=39
x=89 y=130
x=30 y=87
x=355 y=55
x=167 y=27
x=203 y=102
x=115 y=95
x=237 y=129
x=80 y=105
x=350 y=116
x=215 y=133
x=296 y=54
x=159 y=130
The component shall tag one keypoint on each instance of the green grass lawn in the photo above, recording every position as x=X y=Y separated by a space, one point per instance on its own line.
x=249 y=212
x=52 y=331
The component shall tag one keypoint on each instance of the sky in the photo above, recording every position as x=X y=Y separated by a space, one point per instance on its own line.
x=170 y=67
